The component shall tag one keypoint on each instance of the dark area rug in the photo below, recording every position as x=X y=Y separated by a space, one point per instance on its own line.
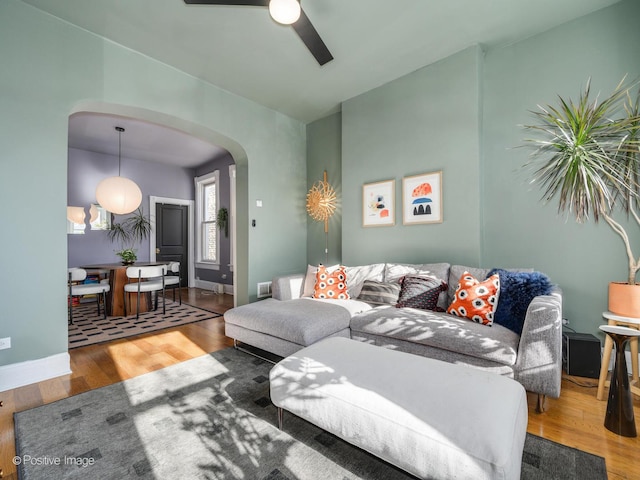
x=89 y=328
x=211 y=418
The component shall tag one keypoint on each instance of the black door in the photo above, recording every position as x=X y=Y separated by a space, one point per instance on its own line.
x=172 y=234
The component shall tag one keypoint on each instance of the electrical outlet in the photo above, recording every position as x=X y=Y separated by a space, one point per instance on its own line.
x=5 y=343
x=565 y=321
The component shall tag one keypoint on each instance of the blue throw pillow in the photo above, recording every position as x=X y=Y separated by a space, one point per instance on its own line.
x=517 y=289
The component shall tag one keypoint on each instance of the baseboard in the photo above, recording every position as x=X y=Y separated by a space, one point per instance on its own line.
x=33 y=371
x=214 y=287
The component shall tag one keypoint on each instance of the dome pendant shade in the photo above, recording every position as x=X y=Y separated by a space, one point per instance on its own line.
x=285 y=11
x=118 y=195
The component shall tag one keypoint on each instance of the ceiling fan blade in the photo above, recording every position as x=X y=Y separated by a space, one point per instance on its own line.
x=311 y=38
x=254 y=3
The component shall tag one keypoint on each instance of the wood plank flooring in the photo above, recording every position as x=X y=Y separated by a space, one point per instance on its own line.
x=575 y=419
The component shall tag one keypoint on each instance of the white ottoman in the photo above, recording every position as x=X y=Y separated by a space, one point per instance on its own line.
x=433 y=419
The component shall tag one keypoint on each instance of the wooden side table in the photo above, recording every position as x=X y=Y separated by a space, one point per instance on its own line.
x=620 y=418
x=618 y=320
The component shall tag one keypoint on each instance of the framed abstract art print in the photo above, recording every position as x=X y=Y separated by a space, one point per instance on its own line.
x=422 y=198
x=378 y=204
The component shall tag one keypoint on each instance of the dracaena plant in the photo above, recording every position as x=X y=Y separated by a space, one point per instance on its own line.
x=134 y=228
x=587 y=155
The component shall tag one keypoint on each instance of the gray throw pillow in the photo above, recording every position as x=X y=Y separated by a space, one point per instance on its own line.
x=379 y=293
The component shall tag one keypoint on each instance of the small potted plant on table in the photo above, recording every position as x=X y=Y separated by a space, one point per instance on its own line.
x=134 y=228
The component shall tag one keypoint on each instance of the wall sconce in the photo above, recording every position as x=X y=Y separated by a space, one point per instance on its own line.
x=76 y=214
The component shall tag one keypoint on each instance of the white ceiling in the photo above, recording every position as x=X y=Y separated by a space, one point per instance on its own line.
x=242 y=50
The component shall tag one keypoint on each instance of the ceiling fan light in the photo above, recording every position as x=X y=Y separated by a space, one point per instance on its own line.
x=285 y=11
x=118 y=195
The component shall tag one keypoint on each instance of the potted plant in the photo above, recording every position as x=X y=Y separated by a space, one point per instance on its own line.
x=128 y=256
x=587 y=155
x=222 y=220
x=134 y=228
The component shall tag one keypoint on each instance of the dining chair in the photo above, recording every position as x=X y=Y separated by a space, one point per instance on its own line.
x=172 y=279
x=76 y=289
x=149 y=279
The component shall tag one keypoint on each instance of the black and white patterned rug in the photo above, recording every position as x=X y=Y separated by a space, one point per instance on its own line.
x=88 y=327
x=211 y=418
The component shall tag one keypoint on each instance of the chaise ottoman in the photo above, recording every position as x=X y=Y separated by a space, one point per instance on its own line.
x=430 y=418
x=285 y=327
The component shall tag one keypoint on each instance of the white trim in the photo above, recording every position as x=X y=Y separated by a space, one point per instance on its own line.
x=213 y=286
x=153 y=201
x=208 y=266
x=32 y=371
x=232 y=228
x=199 y=183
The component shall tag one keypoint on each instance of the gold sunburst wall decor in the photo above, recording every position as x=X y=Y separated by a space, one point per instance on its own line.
x=321 y=202
x=321 y=205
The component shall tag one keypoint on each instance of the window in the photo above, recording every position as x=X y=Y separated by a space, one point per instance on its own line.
x=207 y=235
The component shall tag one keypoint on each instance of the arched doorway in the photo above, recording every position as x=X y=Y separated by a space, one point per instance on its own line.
x=237 y=152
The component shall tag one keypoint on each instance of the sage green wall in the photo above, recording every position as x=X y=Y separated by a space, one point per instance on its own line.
x=324 y=152
x=462 y=115
x=518 y=229
x=50 y=69
x=423 y=122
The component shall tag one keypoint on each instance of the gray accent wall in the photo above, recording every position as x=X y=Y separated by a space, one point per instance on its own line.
x=87 y=169
x=462 y=115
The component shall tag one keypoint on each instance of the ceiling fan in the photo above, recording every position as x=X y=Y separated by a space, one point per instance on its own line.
x=287 y=12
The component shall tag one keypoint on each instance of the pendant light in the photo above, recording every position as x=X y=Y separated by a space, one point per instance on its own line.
x=119 y=195
x=285 y=11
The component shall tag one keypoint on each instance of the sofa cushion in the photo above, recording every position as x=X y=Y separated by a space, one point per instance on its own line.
x=476 y=300
x=379 y=293
x=395 y=271
x=517 y=289
x=356 y=277
x=302 y=321
x=455 y=272
x=440 y=330
x=420 y=292
x=331 y=284
x=310 y=281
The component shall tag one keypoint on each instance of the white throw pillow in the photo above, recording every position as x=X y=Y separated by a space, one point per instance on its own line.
x=357 y=275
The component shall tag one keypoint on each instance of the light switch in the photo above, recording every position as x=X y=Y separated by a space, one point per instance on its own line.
x=258 y=203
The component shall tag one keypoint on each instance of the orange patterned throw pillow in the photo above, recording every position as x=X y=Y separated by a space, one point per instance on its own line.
x=476 y=300
x=331 y=285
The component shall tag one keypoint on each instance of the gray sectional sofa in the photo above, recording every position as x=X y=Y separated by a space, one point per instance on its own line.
x=291 y=320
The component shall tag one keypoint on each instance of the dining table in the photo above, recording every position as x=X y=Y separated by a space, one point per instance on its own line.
x=117 y=280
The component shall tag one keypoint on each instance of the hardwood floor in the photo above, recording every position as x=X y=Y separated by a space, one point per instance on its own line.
x=575 y=419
